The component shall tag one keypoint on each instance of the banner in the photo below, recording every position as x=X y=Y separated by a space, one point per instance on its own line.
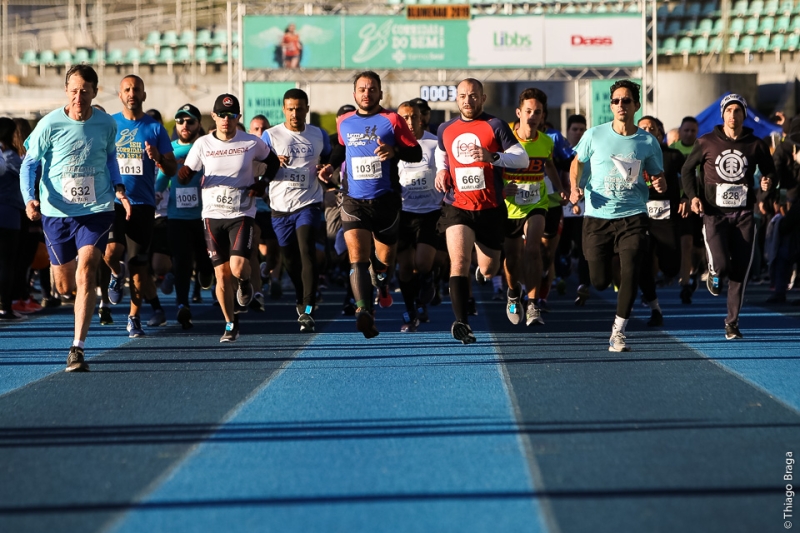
x=292 y=42
x=601 y=102
x=593 y=41
x=394 y=42
x=506 y=42
x=264 y=98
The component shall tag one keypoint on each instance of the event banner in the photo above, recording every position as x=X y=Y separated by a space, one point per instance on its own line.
x=394 y=42
x=265 y=98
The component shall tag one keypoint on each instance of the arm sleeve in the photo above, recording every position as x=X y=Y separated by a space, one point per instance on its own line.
x=688 y=174
x=27 y=178
x=406 y=146
x=162 y=182
x=113 y=168
x=514 y=156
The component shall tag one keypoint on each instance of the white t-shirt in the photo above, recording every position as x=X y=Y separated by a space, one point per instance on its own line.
x=296 y=185
x=228 y=172
x=417 y=179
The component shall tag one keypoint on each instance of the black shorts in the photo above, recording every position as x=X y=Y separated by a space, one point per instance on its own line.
x=693 y=226
x=489 y=225
x=420 y=228
x=135 y=234
x=380 y=216
x=515 y=227
x=552 y=222
x=160 y=243
x=264 y=222
x=228 y=237
x=602 y=238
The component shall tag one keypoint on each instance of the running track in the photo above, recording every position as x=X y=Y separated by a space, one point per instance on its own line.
x=531 y=429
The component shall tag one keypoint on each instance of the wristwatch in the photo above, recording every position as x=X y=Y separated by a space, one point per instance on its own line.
x=496 y=157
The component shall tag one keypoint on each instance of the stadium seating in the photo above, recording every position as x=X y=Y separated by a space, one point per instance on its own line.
x=700 y=46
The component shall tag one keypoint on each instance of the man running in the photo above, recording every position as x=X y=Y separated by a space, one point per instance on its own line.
x=474 y=148
x=618 y=154
x=374 y=139
x=76 y=147
x=143 y=146
x=227 y=190
x=726 y=197
x=295 y=196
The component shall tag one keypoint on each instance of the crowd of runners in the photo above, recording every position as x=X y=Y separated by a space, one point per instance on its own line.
x=388 y=201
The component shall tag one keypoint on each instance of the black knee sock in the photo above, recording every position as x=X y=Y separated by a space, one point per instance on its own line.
x=459 y=296
x=361 y=284
x=410 y=290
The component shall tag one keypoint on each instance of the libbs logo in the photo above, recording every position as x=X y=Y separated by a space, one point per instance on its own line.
x=511 y=40
x=580 y=40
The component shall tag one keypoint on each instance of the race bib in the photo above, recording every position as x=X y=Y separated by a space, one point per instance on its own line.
x=417 y=180
x=130 y=167
x=629 y=168
x=658 y=209
x=528 y=193
x=470 y=179
x=186 y=197
x=365 y=168
x=729 y=195
x=297 y=178
x=78 y=189
x=221 y=198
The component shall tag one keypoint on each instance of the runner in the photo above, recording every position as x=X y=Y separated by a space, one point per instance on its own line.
x=618 y=153
x=373 y=140
x=142 y=145
x=527 y=201
x=227 y=191
x=473 y=150
x=258 y=125
x=419 y=240
x=295 y=196
x=726 y=195
x=80 y=178
x=185 y=225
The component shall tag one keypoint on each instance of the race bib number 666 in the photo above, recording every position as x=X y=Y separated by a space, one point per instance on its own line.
x=470 y=179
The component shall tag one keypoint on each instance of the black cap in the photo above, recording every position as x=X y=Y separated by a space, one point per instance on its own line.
x=421 y=104
x=227 y=103
x=188 y=110
x=347 y=108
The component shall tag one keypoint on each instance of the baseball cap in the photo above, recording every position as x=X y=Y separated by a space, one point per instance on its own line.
x=733 y=99
x=188 y=110
x=347 y=108
x=421 y=104
x=227 y=103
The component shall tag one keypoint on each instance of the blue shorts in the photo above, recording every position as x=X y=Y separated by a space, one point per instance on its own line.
x=286 y=226
x=64 y=236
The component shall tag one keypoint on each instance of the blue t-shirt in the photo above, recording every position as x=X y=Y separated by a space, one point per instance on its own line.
x=184 y=200
x=74 y=155
x=616 y=186
x=137 y=169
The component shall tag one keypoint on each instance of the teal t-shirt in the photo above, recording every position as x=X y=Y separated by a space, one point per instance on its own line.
x=616 y=186
x=184 y=200
x=74 y=156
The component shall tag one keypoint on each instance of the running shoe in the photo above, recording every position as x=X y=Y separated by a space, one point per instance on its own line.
x=384 y=296
x=480 y=277
x=583 y=295
x=462 y=332
x=714 y=285
x=75 y=362
x=244 y=293
x=656 y=319
x=159 y=318
x=732 y=332
x=168 y=283
x=11 y=316
x=135 y=327
x=422 y=314
x=32 y=305
x=105 y=316
x=116 y=287
x=409 y=325
x=51 y=302
x=472 y=307
x=257 y=303
x=306 y=323
x=22 y=307
x=514 y=308
x=205 y=280
x=185 y=317
x=686 y=294
x=365 y=323
x=617 y=342
x=533 y=314
x=231 y=332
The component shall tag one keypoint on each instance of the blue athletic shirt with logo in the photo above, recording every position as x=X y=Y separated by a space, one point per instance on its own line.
x=616 y=186
x=184 y=200
x=137 y=169
x=367 y=176
x=75 y=157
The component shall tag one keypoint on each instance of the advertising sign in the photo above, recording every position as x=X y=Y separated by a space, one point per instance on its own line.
x=292 y=42
x=264 y=98
x=506 y=42
x=601 y=102
x=593 y=41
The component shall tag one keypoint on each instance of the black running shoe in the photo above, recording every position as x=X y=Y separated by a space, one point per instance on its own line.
x=75 y=362
x=714 y=285
x=462 y=332
x=686 y=294
x=422 y=314
x=656 y=319
x=365 y=323
x=306 y=323
x=105 y=316
x=479 y=277
x=231 y=332
x=244 y=293
x=732 y=332
x=185 y=317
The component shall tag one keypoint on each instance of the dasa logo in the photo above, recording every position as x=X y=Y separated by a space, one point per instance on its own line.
x=511 y=40
x=580 y=40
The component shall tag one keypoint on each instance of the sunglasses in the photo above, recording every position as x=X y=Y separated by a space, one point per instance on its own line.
x=229 y=116
x=187 y=121
x=623 y=101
